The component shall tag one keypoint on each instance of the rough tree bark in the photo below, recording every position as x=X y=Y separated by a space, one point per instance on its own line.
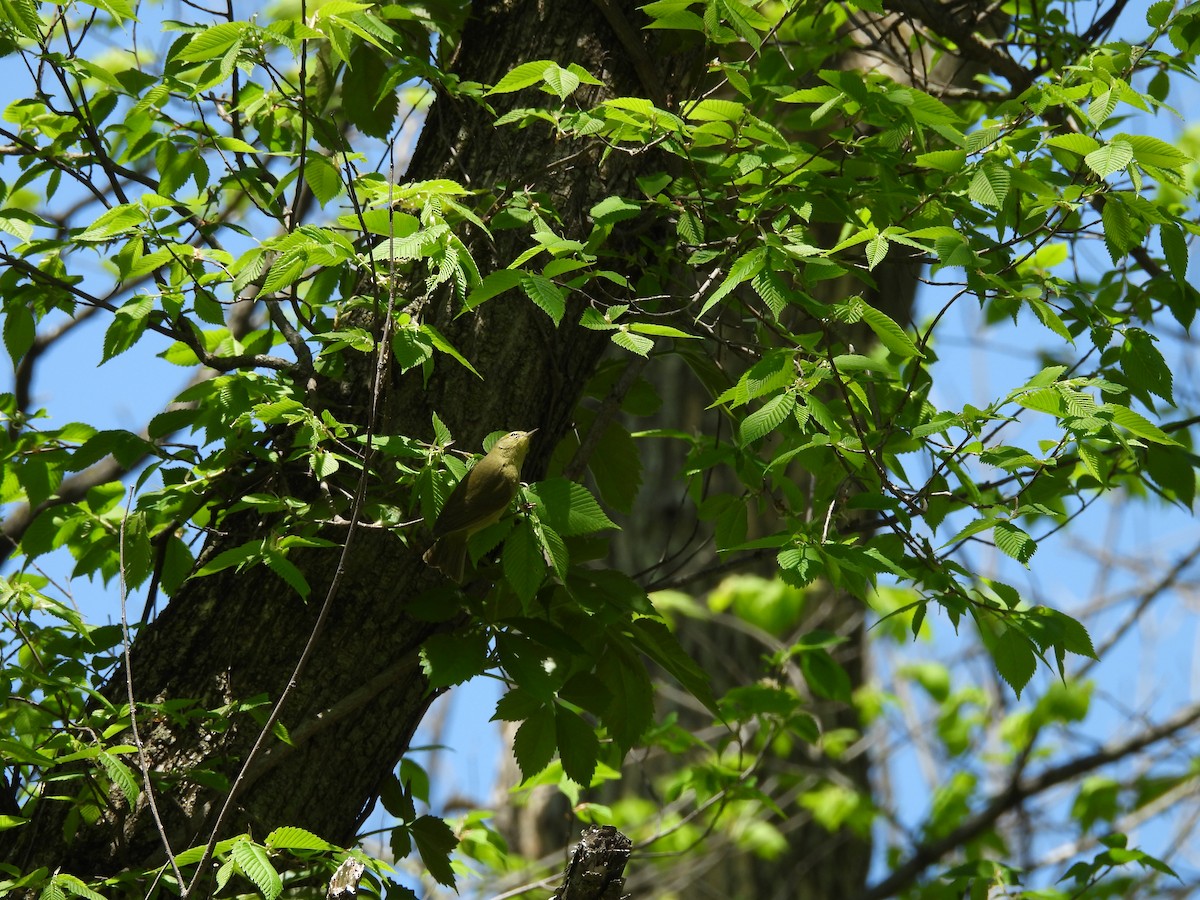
x=234 y=636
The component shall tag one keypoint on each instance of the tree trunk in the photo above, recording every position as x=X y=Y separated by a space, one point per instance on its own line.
x=236 y=636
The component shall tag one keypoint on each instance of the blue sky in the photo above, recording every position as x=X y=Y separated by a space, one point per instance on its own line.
x=1141 y=673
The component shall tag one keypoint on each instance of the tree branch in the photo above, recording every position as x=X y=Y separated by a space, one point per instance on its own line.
x=929 y=852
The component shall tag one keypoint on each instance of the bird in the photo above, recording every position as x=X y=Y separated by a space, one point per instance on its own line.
x=477 y=501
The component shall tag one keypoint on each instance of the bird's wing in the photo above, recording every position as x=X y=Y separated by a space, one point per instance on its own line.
x=491 y=498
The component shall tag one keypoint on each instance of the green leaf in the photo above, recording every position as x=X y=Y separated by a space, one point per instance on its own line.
x=656 y=641
x=1011 y=650
x=522 y=561
x=890 y=334
x=614 y=209
x=1144 y=365
x=562 y=82
x=122 y=777
x=289 y=837
x=1175 y=250
x=578 y=747
x=1137 y=424
x=569 y=508
x=23 y=14
x=662 y=330
x=1150 y=151
x=1120 y=235
x=119 y=220
x=771 y=290
x=523 y=76
x=877 y=251
x=75 y=886
x=435 y=841
x=1081 y=144
x=128 y=325
x=255 y=864
x=823 y=674
x=546 y=294
x=535 y=742
x=449 y=659
x=493 y=285
x=743 y=269
x=635 y=343
x=630 y=710
x=943 y=160
x=616 y=466
x=213 y=42
x=368 y=98
x=1014 y=541
x=1112 y=157
x=440 y=342
x=19 y=330
x=990 y=183
x=767 y=417
x=135 y=550
x=322 y=178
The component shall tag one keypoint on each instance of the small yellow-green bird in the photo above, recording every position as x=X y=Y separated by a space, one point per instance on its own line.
x=477 y=501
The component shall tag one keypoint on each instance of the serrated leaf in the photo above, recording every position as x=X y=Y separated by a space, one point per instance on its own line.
x=771 y=290
x=1077 y=143
x=19 y=331
x=578 y=747
x=1144 y=365
x=75 y=886
x=255 y=864
x=630 y=710
x=1047 y=400
x=1119 y=234
x=435 y=841
x=439 y=341
x=943 y=160
x=1138 y=424
x=322 y=178
x=767 y=417
x=569 y=508
x=534 y=742
x=1112 y=157
x=545 y=294
x=890 y=334
x=635 y=343
x=289 y=837
x=990 y=183
x=449 y=659
x=1102 y=107
x=122 y=776
x=1175 y=250
x=614 y=209
x=1011 y=650
x=562 y=82
x=213 y=42
x=1150 y=151
x=657 y=642
x=522 y=561
x=662 y=330
x=127 y=327
x=877 y=250
x=523 y=76
x=743 y=269
x=1014 y=541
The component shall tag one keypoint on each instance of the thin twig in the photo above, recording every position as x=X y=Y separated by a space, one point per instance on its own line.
x=143 y=760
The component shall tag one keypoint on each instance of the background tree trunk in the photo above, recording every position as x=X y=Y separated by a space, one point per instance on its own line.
x=818 y=864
